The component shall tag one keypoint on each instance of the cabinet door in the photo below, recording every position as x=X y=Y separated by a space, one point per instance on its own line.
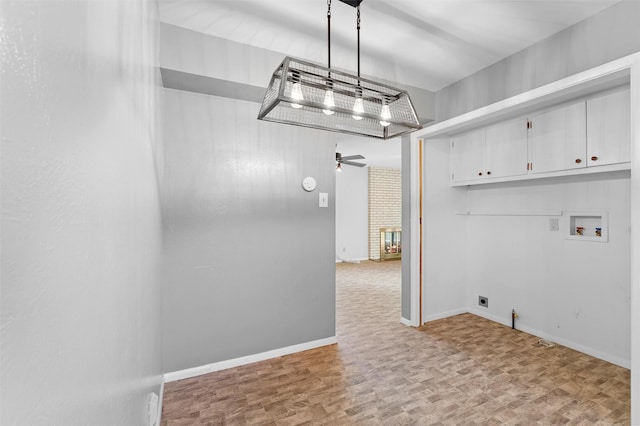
x=506 y=148
x=558 y=139
x=468 y=156
x=609 y=129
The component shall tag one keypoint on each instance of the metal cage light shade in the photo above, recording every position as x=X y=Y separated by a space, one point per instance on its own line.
x=297 y=94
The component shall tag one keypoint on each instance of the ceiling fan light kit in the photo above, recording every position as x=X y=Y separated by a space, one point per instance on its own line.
x=306 y=94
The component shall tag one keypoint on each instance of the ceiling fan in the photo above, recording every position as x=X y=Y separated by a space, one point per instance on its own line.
x=340 y=160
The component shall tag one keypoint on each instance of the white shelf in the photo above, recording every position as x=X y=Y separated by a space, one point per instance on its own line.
x=562 y=173
x=508 y=212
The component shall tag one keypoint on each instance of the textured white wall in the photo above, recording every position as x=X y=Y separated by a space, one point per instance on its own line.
x=574 y=292
x=80 y=212
x=444 y=236
x=635 y=243
x=352 y=206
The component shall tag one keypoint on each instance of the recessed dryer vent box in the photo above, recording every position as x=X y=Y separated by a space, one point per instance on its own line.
x=587 y=226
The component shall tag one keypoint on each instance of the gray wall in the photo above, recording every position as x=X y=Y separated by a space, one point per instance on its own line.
x=249 y=257
x=611 y=34
x=81 y=231
x=408 y=229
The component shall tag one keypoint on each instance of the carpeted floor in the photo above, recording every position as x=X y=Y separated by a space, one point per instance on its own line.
x=459 y=370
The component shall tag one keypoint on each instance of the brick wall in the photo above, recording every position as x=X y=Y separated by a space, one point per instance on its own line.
x=385 y=205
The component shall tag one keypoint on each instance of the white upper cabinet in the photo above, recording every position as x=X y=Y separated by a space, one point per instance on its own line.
x=608 y=129
x=506 y=149
x=468 y=156
x=589 y=136
x=558 y=139
x=493 y=152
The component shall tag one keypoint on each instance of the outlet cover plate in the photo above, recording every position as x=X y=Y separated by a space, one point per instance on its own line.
x=483 y=301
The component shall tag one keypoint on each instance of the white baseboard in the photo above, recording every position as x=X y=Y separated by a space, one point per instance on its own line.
x=159 y=416
x=559 y=340
x=447 y=314
x=494 y=318
x=506 y=322
x=356 y=260
x=236 y=362
x=406 y=322
x=589 y=351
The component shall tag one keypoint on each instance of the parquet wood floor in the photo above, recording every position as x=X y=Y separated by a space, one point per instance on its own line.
x=462 y=370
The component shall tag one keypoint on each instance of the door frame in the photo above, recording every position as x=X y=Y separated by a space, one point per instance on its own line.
x=537 y=98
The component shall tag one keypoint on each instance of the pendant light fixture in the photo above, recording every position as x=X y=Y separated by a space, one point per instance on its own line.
x=303 y=93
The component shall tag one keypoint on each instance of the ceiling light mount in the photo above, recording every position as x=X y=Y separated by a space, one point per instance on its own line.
x=352 y=3
x=306 y=94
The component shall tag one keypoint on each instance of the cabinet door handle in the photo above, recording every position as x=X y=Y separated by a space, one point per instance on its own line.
x=578 y=160
x=488 y=173
x=480 y=174
x=594 y=158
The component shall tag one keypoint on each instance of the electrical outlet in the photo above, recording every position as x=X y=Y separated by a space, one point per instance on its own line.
x=483 y=301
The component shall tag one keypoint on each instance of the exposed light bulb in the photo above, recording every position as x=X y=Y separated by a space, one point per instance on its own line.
x=339 y=167
x=328 y=102
x=296 y=93
x=358 y=108
x=385 y=114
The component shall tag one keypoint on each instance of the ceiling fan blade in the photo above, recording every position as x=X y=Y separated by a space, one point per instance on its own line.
x=353 y=163
x=353 y=157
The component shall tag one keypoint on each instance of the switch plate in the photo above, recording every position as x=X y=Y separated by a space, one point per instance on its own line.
x=323 y=199
x=554 y=224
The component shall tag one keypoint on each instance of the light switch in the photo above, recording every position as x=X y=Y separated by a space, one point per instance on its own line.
x=554 y=224
x=323 y=199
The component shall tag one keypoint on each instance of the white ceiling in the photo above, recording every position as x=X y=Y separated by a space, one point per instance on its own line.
x=424 y=43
